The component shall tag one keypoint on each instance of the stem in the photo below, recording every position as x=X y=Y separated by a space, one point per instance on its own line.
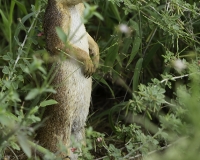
x=160 y=149
x=174 y=78
x=41 y=149
x=154 y=151
x=20 y=49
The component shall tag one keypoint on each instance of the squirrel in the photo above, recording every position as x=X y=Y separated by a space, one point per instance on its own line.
x=72 y=78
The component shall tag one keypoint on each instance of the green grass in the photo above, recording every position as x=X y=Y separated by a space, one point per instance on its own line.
x=145 y=92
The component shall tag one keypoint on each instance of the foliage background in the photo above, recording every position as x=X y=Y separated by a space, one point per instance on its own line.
x=145 y=100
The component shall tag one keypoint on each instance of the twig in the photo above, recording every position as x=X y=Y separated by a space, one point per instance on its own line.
x=174 y=78
x=22 y=45
x=13 y=152
x=101 y=158
x=152 y=152
x=160 y=149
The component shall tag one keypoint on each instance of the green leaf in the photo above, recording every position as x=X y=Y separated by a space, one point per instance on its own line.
x=135 y=27
x=51 y=90
x=20 y=78
x=4 y=120
x=12 y=6
x=104 y=82
x=136 y=43
x=47 y=153
x=7 y=57
x=24 y=19
x=21 y=6
x=32 y=94
x=48 y=103
x=112 y=54
x=34 y=119
x=98 y=16
x=126 y=44
x=23 y=141
x=136 y=75
x=5 y=70
x=89 y=12
x=61 y=34
x=14 y=146
x=14 y=85
x=11 y=116
x=33 y=40
x=34 y=110
x=114 y=9
x=5 y=20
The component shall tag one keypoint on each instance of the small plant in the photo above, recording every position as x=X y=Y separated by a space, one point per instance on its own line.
x=22 y=93
x=151 y=64
x=145 y=93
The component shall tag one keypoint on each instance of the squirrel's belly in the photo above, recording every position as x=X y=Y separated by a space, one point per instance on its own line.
x=77 y=88
x=77 y=32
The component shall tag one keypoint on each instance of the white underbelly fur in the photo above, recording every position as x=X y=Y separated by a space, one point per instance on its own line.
x=77 y=86
x=77 y=34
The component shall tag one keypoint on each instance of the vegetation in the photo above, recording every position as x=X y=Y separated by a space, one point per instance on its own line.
x=145 y=101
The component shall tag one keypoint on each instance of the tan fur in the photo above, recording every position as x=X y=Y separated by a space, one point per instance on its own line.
x=73 y=88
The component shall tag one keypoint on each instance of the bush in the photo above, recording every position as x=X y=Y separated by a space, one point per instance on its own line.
x=145 y=93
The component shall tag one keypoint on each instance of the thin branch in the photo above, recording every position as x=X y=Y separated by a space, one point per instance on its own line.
x=22 y=45
x=101 y=158
x=174 y=78
x=152 y=152
x=160 y=149
x=13 y=152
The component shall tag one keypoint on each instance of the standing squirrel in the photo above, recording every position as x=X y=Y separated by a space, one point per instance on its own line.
x=72 y=79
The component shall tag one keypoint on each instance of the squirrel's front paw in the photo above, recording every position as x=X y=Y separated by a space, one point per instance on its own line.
x=88 y=68
x=95 y=60
x=94 y=53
